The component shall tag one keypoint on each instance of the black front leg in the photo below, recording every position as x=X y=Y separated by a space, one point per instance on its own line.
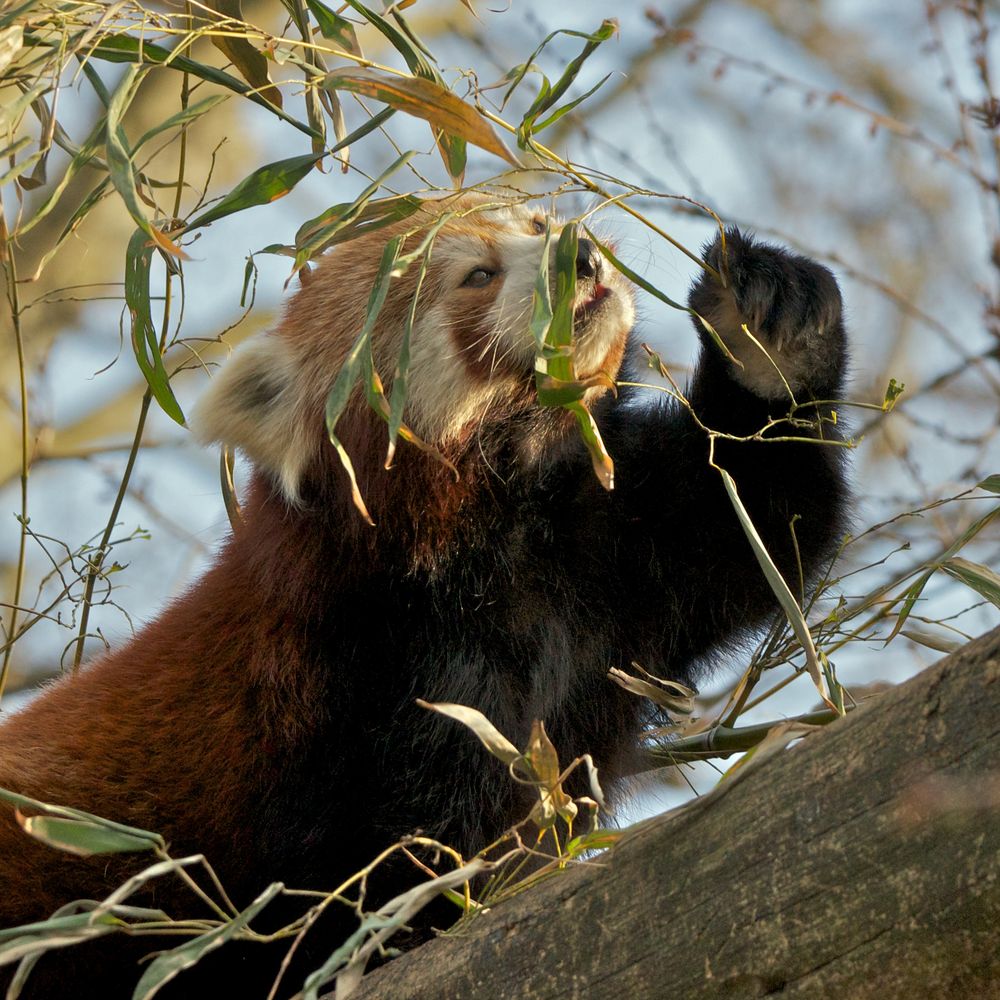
x=695 y=569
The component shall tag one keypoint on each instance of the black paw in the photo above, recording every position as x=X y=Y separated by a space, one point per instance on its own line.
x=789 y=303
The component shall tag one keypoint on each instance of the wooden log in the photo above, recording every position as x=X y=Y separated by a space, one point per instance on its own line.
x=863 y=862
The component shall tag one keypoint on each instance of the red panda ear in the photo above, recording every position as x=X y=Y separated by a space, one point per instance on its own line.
x=251 y=405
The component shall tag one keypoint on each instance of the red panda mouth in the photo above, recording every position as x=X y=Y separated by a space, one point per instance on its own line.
x=591 y=302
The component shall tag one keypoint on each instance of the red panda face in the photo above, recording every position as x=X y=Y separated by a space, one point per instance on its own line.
x=471 y=348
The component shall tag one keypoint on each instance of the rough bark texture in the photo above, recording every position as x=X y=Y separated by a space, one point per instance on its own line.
x=863 y=863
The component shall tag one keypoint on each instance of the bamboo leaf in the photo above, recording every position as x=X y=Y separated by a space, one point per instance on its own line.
x=145 y=343
x=183 y=117
x=338 y=29
x=414 y=57
x=980 y=578
x=264 y=185
x=11 y=40
x=604 y=467
x=128 y=49
x=399 y=379
x=991 y=483
x=566 y=108
x=485 y=731
x=120 y=166
x=426 y=99
x=548 y=96
x=316 y=235
x=171 y=963
x=81 y=837
x=351 y=369
x=251 y=63
x=777 y=583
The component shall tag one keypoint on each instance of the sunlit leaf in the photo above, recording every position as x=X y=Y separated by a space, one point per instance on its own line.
x=893 y=391
x=932 y=640
x=548 y=96
x=338 y=29
x=170 y=964
x=665 y=693
x=777 y=584
x=11 y=39
x=424 y=99
x=145 y=343
x=485 y=731
x=264 y=185
x=120 y=165
x=551 y=324
x=980 y=578
x=328 y=228
x=129 y=49
x=81 y=837
x=251 y=63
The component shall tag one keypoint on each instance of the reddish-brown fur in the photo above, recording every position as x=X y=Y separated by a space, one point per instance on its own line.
x=267 y=718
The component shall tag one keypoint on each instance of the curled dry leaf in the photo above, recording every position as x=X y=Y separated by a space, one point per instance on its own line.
x=667 y=694
x=488 y=734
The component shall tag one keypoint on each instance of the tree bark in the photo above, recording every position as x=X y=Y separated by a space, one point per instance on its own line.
x=862 y=863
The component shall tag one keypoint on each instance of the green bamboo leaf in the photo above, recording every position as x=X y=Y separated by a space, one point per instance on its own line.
x=128 y=49
x=426 y=99
x=980 y=578
x=327 y=229
x=81 y=837
x=338 y=29
x=145 y=343
x=604 y=467
x=183 y=117
x=120 y=165
x=777 y=584
x=351 y=370
x=912 y=594
x=397 y=399
x=151 y=840
x=10 y=16
x=991 y=483
x=893 y=391
x=551 y=324
x=264 y=185
x=566 y=108
x=171 y=963
x=339 y=223
x=548 y=96
x=412 y=54
x=250 y=62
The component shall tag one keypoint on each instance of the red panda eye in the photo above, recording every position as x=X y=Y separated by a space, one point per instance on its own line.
x=479 y=278
x=539 y=226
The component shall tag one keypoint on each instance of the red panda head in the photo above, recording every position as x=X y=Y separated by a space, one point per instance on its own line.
x=472 y=354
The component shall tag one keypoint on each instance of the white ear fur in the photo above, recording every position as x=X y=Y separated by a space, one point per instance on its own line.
x=251 y=405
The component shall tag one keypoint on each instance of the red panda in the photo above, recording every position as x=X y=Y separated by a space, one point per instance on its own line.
x=268 y=717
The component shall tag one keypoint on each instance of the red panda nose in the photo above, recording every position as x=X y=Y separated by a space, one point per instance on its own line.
x=588 y=260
